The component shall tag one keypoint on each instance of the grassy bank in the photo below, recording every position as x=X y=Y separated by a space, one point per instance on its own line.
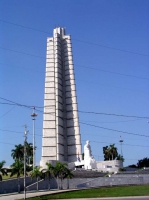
x=120 y=191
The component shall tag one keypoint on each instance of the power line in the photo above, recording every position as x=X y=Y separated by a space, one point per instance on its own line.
x=125 y=144
x=117 y=73
x=95 y=44
x=106 y=71
x=7 y=112
x=109 y=129
x=15 y=144
x=21 y=52
x=96 y=82
x=112 y=114
x=24 y=68
x=11 y=104
x=87 y=112
x=9 y=131
x=100 y=122
x=25 y=26
x=112 y=86
x=112 y=48
x=125 y=138
x=7 y=143
x=97 y=113
x=117 y=143
x=95 y=125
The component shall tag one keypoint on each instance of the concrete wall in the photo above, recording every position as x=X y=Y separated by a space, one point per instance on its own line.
x=110 y=166
x=11 y=185
x=116 y=180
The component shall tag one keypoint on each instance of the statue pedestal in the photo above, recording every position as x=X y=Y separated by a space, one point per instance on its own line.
x=90 y=163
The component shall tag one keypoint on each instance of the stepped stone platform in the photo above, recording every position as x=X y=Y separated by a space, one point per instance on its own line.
x=88 y=174
x=146 y=171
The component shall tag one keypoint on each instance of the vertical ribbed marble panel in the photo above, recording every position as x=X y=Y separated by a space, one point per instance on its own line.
x=61 y=135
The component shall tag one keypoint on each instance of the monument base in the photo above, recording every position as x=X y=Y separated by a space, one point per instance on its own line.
x=44 y=161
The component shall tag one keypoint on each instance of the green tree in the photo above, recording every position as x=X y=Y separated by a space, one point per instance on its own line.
x=113 y=150
x=59 y=173
x=120 y=157
x=29 y=153
x=36 y=173
x=18 y=152
x=49 y=171
x=110 y=152
x=106 y=153
x=143 y=163
x=17 y=168
x=68 y=175
x=3 y=171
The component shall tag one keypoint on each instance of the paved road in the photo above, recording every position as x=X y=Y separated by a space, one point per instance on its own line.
x=33 y=194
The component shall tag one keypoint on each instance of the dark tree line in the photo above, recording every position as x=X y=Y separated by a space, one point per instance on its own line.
x=18 y=153
x=141 y=163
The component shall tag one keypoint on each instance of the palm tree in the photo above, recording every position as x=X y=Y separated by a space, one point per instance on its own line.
x=61 y=169
x=17 y=168
x=113 y=150
x=18 y=152
x=36 y=173
x=49 y=171
x=108 y=153
x=29 y=153
x=3 y=171
x=68 y=175
x=59 y=172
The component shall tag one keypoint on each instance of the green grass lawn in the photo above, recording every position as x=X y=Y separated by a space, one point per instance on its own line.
x=120 y=191
x=8 y=177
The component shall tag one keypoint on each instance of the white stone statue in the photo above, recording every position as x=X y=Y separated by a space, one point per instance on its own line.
x=89 y=161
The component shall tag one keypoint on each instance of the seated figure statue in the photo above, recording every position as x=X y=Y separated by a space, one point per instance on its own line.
x=89 y=161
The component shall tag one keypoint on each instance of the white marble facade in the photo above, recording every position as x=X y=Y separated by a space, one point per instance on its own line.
x=61 y=134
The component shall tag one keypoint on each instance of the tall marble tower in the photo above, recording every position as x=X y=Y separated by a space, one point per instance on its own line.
x=61 y=135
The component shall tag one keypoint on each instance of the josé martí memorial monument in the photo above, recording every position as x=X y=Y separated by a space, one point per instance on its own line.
x=61 y=140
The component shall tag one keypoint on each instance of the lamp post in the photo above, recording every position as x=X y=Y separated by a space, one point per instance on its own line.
x=34 y=115
x=121 y=141
x=25 y=140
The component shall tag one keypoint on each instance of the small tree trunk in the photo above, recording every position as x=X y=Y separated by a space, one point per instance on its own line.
x=57 y=183
x=61 y=183
x=49 y=184
x=37 y=183
x=18 y=184
x=67 y=183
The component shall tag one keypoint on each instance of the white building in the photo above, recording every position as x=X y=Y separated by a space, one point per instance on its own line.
x=61 y=135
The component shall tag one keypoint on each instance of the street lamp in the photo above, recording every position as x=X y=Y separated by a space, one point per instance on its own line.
x=34 y=115
x=25 y=140
x=121 y=141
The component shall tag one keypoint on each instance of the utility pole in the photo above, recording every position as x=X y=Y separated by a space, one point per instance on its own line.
x=34 y=115
x=25 y=140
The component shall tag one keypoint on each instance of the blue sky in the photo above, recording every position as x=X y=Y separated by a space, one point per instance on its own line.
x=111 y=56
